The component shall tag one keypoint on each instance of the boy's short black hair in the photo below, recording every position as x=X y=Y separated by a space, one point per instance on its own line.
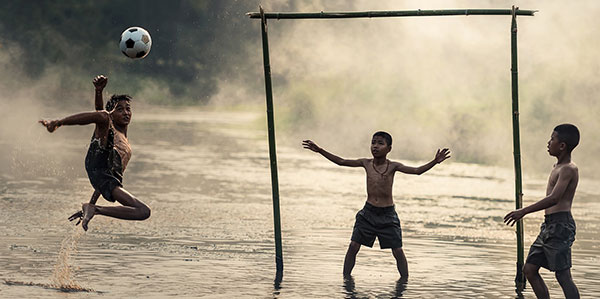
x=385 y=135
x=114 y=99
x=569 y=134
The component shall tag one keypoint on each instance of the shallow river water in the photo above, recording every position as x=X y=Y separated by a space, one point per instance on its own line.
x=205 y=176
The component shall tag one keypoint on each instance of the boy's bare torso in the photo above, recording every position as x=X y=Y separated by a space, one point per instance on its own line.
x=380 y=179
x=565 y=202
x=121 y=143
x=123 y=147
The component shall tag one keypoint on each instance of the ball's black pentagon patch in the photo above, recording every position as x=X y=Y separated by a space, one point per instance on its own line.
x=140 y=54
x=129 y=43
x=133 y=30
x=145 y=38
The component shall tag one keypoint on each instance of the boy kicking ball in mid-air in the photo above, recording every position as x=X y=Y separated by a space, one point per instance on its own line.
x=107 y=156
x=378 y=218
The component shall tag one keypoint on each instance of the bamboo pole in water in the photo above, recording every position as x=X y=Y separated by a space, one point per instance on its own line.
x=387 y=13
x=272 y=149
x=520 y=278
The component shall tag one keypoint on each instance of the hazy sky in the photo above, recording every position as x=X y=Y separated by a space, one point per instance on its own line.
x=430 y=81
x=435 y=81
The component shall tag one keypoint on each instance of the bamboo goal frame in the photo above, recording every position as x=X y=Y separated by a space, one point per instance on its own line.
x=514 y=12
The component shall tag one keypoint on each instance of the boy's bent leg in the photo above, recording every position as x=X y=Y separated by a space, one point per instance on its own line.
x=531 y=271
x=132 y=208
x=350 y=258
x=566 y=283
x=401 y=262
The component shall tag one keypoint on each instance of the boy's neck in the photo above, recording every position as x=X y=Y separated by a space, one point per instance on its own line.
x=379 y=160
x=122 y=129
x=563 y=158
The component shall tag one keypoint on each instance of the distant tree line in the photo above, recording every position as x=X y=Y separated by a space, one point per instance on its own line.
x=193 y=41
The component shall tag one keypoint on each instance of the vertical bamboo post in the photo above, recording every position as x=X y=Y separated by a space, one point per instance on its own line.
x=520 y=278
x=272 y=150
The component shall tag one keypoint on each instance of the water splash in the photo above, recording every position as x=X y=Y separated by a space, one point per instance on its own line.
x=63 y=275
x=48 y=286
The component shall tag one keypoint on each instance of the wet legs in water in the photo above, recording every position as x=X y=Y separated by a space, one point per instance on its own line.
x=536 y=281
x=539 y=287
x=350 y=258
x=401 y=262
x=353 y=249
x=566 y=283
x=131 y=209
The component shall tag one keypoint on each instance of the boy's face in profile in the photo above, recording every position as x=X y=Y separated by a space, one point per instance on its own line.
x=121 y=115
x=379 y=147
x=555 y=147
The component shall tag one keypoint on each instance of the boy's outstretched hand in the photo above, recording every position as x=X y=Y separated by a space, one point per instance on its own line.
x=51 y=125
x=100 y=82
x=514 y=216
x=308 y=144
x=442 y=155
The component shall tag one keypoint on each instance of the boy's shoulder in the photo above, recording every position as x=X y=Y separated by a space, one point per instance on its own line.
x=571 y=166
x=569 y=169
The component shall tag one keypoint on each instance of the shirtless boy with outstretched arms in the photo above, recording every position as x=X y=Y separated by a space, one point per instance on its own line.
x=107 y=156
x=378 y=218
x=552 y=248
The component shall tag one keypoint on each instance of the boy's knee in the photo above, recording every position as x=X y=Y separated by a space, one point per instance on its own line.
x=397 y=251
x=354 y=247
x=530 y=270
x=145 y=212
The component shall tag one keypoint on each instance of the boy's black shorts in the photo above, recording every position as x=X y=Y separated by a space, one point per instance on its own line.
x=105 y=181
x=382 y=223
x=552 y=248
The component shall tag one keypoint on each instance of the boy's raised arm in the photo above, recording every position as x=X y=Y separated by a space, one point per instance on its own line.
x=440 y=156
x=84 y=118
x=564 y=178
x=99 y=84
x=308 y=144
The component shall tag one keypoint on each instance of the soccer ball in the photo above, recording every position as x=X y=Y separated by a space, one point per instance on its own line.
x=135 y=42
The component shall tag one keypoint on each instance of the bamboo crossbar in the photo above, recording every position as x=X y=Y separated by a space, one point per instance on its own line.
x=389 y=13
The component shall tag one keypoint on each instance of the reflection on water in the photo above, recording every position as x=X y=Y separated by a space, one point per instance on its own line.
x=206 y=177
x=350 y=290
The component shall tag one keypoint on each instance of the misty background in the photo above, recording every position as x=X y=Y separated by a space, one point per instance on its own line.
x=430 y=81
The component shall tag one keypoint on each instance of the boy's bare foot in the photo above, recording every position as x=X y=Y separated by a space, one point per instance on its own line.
x=89 y=211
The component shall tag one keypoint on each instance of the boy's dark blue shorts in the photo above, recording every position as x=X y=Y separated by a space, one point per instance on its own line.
x=552 y=248
x=382 y=223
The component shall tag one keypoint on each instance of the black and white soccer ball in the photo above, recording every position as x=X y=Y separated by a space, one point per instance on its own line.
x=135 y=42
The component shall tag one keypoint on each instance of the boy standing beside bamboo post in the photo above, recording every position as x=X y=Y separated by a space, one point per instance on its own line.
x=552 y=248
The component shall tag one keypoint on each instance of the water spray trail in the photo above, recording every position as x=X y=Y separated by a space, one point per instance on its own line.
x=63 y=275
